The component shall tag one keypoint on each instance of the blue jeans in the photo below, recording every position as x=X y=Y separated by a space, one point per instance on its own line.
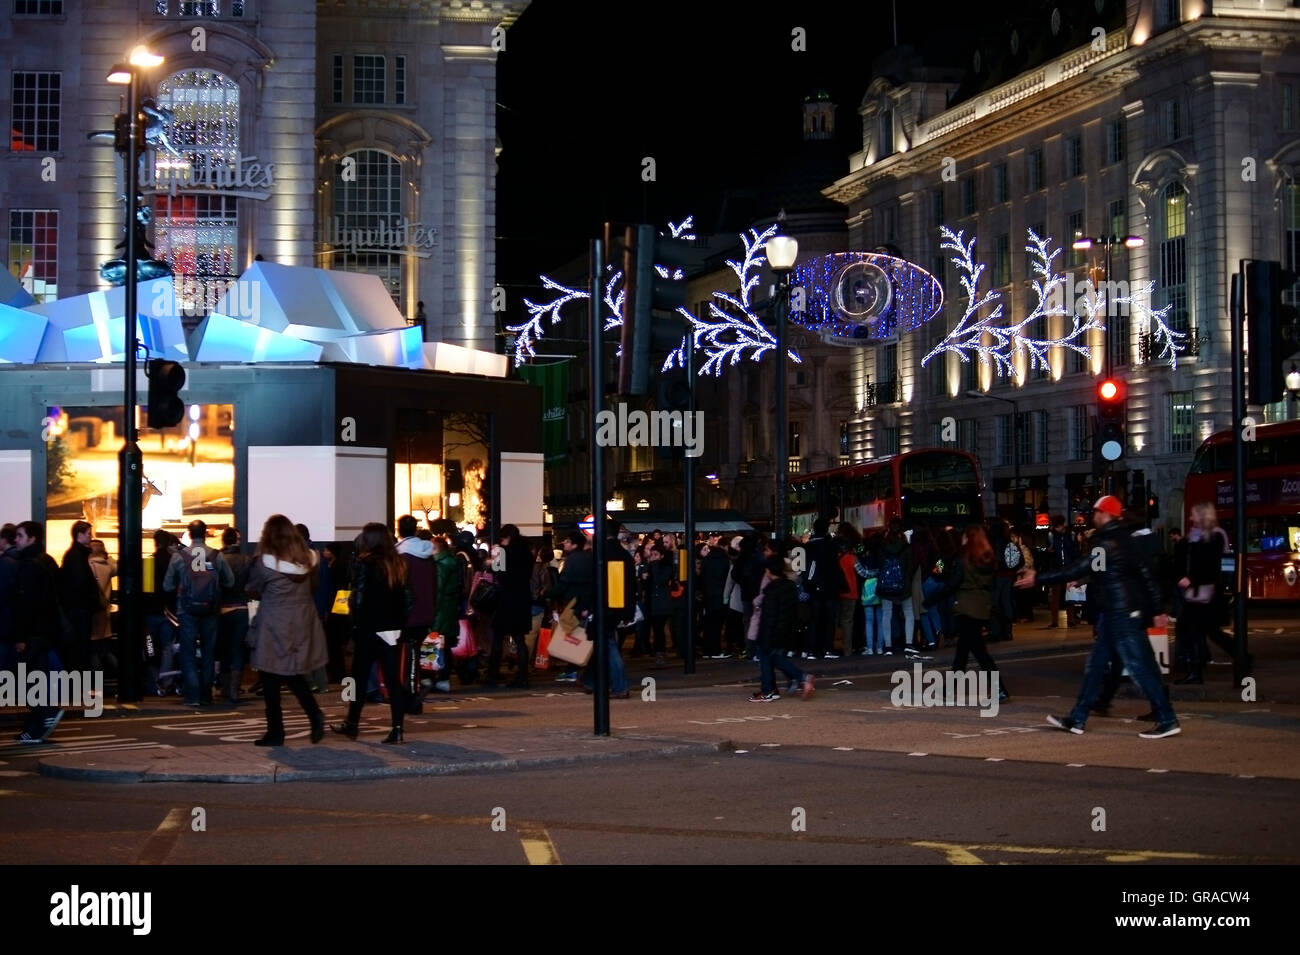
x=1125 y=635
x=617 y=673
x=930 y=622
x=198 y=651
x=873 y=636
x=771 y=659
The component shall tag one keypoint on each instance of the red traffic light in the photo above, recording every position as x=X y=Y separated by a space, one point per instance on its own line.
x=1110 y=390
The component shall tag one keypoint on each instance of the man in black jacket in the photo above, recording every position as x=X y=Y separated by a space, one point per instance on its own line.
x=1128 y=599
x=714 y=568
x=822 y=580
x=80 y=596
x=778 y=636
x=36 y=623
x=577 y=582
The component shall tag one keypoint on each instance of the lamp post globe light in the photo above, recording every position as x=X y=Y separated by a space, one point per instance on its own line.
x=130 y=461
x=781 y=253
x=1293 y=386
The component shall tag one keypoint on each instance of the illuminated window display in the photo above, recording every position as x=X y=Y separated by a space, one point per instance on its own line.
x=189 y=472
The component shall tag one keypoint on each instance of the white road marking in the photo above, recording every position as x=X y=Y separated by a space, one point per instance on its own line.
x=1157 y=770
x=843 y=749
x=1076 y=765
x=918 y=754
x=993 y=759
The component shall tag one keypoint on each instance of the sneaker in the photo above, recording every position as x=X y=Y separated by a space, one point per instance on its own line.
x=567 y=678
x=759 y=698
x=720 y=656
x=887 y=653
x=805 y=656
x=1162 y=730
x=807 y=686
x=868 y=652
x=911 y=652
x=50 y=723
x=443 y=686
x=830 y=656
x=1067 y=724
x=27 y=739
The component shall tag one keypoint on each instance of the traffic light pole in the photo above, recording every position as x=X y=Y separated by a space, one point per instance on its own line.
x=599 y=615
x=130 y=460
x=1237 y=309
x=1109 y=478
x=688 y=517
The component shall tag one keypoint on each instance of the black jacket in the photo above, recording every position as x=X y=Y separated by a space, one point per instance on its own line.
x=716 y=567
x=823 y=578
x=77 y=581
x=514 y=611
x=577 y=580
x=35 y=600
x=375 y=605
x=1126 y=582
x=777 y=628
x=1204 y=561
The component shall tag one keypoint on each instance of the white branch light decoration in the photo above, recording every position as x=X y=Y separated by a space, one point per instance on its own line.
x=997 y=344
x=1172 y=342
x=731 y=330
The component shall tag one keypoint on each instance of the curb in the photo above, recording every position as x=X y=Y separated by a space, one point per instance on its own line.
x=51 y=768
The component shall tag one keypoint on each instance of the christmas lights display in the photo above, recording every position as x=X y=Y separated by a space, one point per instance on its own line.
x=1171 y=341
x=853 y=298
x=983 y=336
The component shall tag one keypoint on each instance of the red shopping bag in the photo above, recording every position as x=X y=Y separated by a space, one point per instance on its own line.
x=543 y=660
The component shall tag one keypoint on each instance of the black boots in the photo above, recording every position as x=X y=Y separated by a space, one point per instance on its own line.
x=395 y=736
x=347 y=729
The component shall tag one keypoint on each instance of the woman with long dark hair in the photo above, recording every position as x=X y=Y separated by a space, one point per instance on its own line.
x=972 y=586
x=513 y=614
x=1206 y=545
x=286 y=632
x=379 y=602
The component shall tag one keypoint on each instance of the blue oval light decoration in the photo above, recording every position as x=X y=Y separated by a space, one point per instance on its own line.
x=854 y=298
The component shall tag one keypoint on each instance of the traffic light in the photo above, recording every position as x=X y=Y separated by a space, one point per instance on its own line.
x=166 y=379
x=1265 y=318
x=651 y=283
x=1111 y=415
x=1137 y=494
x=1153 y=507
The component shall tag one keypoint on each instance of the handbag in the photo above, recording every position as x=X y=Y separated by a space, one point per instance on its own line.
x=1202 y=594
x=484 y=598
x=543 y=659
x=571 y=646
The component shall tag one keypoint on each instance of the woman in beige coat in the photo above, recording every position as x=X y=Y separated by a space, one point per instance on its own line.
x=286 y=634
x=101 y=627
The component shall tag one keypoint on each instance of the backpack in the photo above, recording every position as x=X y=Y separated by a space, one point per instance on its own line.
x=1011 y=556
x=200 y=589
x=891 y=576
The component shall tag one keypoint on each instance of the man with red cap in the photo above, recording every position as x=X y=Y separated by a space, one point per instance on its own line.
x=1129 y=598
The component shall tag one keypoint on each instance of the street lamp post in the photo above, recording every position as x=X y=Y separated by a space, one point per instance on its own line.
x=130 y=459
x=1017 y=497
x=781 y=254
x=1108 y=242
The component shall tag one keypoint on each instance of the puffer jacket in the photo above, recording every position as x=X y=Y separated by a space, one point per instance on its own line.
x=777 y=626
x=1125 y=584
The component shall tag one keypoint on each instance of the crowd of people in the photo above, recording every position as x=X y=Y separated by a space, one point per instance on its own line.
x=418 y=609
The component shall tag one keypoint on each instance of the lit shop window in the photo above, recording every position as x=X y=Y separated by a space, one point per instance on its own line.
x=34 y=251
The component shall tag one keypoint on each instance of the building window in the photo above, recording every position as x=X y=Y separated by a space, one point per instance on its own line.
x=970 y=375
x=367 y=79
x=1002 y=451
x=936 y=208
x=1173 y=255
x=887 y=369
x=39 y=8
x=890 y=440
x=198 y=234
x=1114 y=141
x=886 y=135
x=371 y=200
x=1173 y=120
x=1288 y=106
x=887 y=224
x=1073 y=157
x=1117 y=336
x=1181 y=422
x=1079 y=419
x=1074 y=230
x=939 y=269
x=399 y=80
x=1002 y=260
x=1038 y=331
x=36 y=101
x=1291 y=247
x=1075 y=363
x=200 y=8
x=1034 y=169
x=1000 y=183
x=34 y=251
x=968 y=435
x=1167 y=13
x=938 y=376
x=1117 y=217
x=792 y=447
x=968 y=195
x=336 y=78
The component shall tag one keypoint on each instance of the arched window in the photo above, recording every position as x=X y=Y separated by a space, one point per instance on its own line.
x=367 y=207
x=196 y=231
x=1173 y=254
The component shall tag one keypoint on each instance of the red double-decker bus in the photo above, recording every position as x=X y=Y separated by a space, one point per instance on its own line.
x=1272 y=504
x=927 y=486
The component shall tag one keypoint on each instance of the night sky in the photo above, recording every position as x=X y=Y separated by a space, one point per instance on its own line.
x=710 y=91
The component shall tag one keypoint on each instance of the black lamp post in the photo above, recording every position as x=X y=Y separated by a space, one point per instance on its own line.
x=781 y=254
x=130 y=459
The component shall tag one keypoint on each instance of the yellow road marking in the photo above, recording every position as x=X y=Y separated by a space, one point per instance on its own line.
x=538 y=847
x=956 y=855
x=965 y=854
x=159 y=844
